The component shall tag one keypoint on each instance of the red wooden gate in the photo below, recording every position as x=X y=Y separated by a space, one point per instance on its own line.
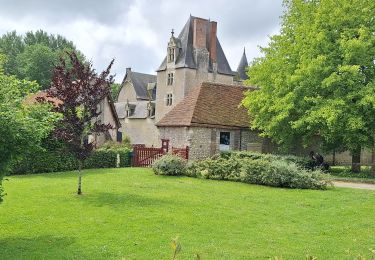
x=146 y=156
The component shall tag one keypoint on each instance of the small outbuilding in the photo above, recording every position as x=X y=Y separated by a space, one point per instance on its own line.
x=209 y=120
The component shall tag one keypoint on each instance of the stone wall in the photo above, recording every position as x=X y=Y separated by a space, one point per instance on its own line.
x=127 y=92
x=177 y=136
x=141 y=131
x=185 y=80
x=106 y=117
x=345 y=158
x=204 y=142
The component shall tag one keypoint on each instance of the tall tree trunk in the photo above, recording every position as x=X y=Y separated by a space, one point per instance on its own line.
x=79 y=191
x=356 y=160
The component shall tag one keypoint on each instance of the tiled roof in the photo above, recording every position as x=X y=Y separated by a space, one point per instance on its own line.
x=210 y=105
x=185 y=58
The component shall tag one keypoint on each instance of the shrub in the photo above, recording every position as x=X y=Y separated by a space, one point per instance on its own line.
x=300 y=161
x=280 y=173
x=169 y=165
x=263 y=171
x=216 y=169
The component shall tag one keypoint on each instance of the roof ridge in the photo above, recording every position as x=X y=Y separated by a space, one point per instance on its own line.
x=143 y=73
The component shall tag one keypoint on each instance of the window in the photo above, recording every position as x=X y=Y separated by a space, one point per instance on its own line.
x=169 y=100
x=150 y=109
x=130 y=110
x=170 y=54
x=224 y=141
x=170 y=79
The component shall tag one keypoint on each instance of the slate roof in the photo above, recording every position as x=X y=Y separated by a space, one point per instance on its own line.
x=140 y=109
x=140 y=82
x=210 y=105
x=241 y=69
x=185 y=58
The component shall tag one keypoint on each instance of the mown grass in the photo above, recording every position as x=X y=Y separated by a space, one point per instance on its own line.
x=133 y=214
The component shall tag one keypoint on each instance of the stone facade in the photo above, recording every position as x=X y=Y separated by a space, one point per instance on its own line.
x=107 y=116
x=204 y=142
x=185 y=80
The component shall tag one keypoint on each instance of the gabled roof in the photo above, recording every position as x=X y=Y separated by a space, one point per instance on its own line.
x=210 y=105
x=140 y=83
x=185 y=58
x=241 y=69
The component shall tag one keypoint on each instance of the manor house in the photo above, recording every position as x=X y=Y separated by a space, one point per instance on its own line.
x=192 y=101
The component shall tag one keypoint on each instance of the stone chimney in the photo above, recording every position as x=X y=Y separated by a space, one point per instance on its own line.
x=199 y=33
x=212 y=43
x=128 y=70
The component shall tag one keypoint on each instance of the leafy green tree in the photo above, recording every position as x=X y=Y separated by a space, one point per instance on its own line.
x=317 y=78
x=36 y=62
x=22 y=126
x=11 y=45
x=32 y=56
x=115 y=90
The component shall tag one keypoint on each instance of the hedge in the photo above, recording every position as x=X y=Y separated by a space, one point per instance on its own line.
x=62 y=160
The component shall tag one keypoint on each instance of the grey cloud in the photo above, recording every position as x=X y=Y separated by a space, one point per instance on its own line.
x=136 y=32
x=64 y=10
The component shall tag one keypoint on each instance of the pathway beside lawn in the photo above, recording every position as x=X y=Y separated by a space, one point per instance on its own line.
x=354 y=185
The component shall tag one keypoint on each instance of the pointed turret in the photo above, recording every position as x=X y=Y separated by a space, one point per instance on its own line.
x=241 y=69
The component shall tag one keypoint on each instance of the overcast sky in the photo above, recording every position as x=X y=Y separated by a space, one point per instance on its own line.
x=136 y=32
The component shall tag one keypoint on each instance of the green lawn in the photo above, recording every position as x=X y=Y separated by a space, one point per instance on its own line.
x=133 y=214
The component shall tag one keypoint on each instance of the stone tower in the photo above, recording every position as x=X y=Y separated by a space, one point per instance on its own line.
x=193 y=57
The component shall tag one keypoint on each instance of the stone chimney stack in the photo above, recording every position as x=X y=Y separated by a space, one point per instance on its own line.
x=128 y=70
x=212 y=43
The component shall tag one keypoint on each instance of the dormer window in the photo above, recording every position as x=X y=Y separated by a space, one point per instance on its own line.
x=169 y=99
x=170 y=77
x=150 y=109
x=130 y=109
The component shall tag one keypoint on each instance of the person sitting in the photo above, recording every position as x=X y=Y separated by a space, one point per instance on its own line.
x=318 y=161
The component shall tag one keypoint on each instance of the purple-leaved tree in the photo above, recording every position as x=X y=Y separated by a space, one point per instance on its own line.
x=76 y=92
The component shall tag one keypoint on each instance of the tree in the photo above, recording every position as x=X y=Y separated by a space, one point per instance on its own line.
x=34 y=55
x=36 y=62
x=22 y=126
x=317 y=78
x=80 y=90
x=115 y=90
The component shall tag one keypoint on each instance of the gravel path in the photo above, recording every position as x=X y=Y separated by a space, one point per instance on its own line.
x=354 y=185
